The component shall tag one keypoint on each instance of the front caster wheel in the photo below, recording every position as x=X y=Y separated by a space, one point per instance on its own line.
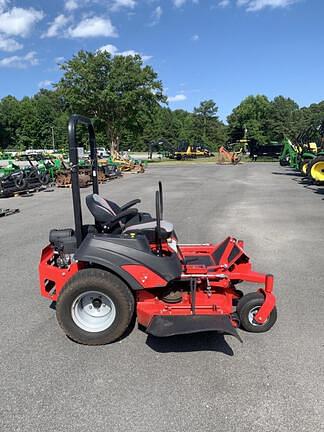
x=248 y=306
x=95 y=307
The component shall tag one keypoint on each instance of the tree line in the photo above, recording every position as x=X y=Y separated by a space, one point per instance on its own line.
x=125 y=99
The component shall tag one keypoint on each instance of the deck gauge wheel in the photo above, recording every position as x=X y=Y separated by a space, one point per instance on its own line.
x=247 y=307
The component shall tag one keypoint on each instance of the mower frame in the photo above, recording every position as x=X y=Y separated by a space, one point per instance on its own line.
x=176 y=288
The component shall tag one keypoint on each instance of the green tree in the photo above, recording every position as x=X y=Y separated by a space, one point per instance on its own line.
x=252 y=114
x=207 y=129
x=206 y=111
x=162 y=125
x=112 y=90
x=182 y=125
x=9 y=120
x=283 y=119
x=52 y=119
x=26 y=134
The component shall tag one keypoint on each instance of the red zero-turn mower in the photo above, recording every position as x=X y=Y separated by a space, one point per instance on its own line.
x=129 y=263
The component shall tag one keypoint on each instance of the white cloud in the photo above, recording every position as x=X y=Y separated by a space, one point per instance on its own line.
x=113 y=5
x=177 y=98
x=20 y=62
x=59 y=59
x=134 y=53
x=71 y=5
x=119 y=4
x=249 y=5
x=257 y=5
x=223 y=3
x=45 y=84
x=156 y=15
x=3 y=4
x=195 y=38
x=9 y=45
x=59 y=23
x=93 y=27
x=127 y=53
x=179 y=3
x=19 y=21
x=88 y=27
x=113 y=50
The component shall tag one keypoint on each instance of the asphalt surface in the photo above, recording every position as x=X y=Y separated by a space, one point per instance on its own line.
x=207 y=382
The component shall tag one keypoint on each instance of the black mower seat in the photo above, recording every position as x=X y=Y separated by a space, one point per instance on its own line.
x=128 y=221
x=100 y=209
x=106 y=218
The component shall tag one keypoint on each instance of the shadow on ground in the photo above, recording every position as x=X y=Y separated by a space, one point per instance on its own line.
x=288 y=174
x=209 y=341
x=306 y=183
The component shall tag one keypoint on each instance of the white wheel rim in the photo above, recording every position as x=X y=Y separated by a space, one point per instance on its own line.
x=252 y=314
x=93 y=311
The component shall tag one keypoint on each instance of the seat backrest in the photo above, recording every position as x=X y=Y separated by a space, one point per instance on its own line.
x=100 y=209
x=115 y=207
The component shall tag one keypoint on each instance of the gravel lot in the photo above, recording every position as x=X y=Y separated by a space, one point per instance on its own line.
x=207 y=382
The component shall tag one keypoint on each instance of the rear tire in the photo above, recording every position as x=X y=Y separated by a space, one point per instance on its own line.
x=317 y=160
x=95 y=307
x=248 y=307
x=20 y=182
x=302 y=166
x=44 y=178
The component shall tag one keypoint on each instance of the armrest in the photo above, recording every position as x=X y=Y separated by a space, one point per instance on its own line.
x=130 y=204
x=124 y=214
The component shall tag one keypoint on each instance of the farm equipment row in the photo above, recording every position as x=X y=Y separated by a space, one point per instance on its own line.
x=306 y=157
x=33 y=171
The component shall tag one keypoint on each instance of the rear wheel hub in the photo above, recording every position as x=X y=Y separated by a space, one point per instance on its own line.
x=93 y=311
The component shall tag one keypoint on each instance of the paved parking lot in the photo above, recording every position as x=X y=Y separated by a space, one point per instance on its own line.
x=271 y=382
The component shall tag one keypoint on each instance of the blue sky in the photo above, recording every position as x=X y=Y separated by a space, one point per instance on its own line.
x=219 y=49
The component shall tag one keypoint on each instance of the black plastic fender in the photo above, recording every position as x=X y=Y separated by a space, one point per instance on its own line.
x=113 y=252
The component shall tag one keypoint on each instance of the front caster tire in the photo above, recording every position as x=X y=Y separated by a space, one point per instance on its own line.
x=95 y=307
x=248 y=306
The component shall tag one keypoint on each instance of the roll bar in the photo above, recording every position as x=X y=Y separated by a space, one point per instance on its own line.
x=158 y=223
x=161 y=199
x=76 y=119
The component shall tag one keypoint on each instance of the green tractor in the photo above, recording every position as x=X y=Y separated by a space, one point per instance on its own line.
x=7 y=167
x=297 y=156
x=315 y=167
x=14 y=178
x=41 y=166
